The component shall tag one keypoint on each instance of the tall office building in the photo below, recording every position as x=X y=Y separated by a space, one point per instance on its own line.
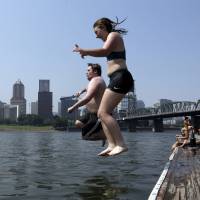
x=44 y=85
x=45 y=100
x=18 y=97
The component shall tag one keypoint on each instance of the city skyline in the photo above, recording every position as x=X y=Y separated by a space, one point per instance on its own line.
x=44 y=86
x=162 y=46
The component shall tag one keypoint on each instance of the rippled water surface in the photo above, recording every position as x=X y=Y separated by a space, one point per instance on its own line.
x=60 y=165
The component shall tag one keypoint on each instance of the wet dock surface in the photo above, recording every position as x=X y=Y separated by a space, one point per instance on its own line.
x=182 y=181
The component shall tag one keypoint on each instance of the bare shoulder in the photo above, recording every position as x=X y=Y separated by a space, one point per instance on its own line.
x=114 y=35
x=97 y=80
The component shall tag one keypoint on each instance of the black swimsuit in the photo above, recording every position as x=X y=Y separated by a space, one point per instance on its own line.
x=117 y=55
x=92 y=127
x=121 y=81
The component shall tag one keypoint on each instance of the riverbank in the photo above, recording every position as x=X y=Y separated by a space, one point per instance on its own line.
x=25 y=128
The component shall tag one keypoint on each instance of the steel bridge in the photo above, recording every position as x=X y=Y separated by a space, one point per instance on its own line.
x=173 y=109
x=168 y=110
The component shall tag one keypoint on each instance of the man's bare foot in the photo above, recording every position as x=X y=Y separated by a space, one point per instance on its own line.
x=117 y=150
x=105 y=152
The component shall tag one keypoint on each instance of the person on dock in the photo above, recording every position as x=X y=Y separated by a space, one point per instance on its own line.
x=94 y=92
x=121 y=80
x=183 y=139
x=187 y=124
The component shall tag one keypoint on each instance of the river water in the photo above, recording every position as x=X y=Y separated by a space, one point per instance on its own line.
x=60 y=165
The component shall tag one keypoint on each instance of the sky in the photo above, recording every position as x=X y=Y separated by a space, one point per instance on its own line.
x=162 y=45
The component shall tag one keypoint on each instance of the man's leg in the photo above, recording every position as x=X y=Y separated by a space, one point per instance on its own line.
x=79 y=124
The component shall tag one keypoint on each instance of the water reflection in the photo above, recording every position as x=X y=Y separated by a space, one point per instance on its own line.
x=100 y=188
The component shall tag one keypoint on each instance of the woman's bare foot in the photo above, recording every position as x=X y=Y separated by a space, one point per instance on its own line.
x=106 y=151
x=117 y=150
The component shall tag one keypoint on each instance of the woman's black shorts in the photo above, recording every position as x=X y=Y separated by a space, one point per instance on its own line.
x=121 y=81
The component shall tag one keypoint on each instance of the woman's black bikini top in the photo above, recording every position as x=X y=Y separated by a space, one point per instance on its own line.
x=117 y=55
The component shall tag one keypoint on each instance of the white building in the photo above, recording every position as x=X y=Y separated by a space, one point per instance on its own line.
x=140 y=104
x=127 y=105
x=10 y=112
x=59 y=109
x=34 y=108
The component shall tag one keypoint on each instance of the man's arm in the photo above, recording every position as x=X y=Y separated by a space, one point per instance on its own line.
x=91 y=91
x=80 y=92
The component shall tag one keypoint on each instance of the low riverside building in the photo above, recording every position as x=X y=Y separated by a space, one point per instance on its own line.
x=66 y=102
x=1 y=110
x=127 y=105
x=9 y=112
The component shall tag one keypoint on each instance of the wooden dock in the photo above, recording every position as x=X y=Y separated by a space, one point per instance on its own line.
x=180 y=179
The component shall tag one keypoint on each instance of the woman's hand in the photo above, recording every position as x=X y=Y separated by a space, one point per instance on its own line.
x=79 y=50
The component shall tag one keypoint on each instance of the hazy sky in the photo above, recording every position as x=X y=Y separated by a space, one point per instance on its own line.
x=162 y=44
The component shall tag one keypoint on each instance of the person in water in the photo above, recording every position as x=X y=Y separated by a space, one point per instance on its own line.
x=121 y=80
x=91 y=100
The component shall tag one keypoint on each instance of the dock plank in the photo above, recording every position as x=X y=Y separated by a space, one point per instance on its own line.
x=183 y=178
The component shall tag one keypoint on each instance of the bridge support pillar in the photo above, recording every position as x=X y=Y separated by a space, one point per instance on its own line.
x=196 y=122
x=132 y=125
x=157 y=125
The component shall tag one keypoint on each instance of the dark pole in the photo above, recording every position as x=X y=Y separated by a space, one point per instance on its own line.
x=192 y=139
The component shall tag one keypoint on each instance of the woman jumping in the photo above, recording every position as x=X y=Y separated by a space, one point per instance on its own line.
x=121 y=80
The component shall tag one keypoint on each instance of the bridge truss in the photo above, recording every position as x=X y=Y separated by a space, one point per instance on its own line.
x=172 y=107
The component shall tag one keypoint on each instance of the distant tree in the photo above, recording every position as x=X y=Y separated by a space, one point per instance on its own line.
x=60 y=123
x=6 y=121
x=30 y=119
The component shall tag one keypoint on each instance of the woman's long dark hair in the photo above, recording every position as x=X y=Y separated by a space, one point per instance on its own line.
x=110 y=25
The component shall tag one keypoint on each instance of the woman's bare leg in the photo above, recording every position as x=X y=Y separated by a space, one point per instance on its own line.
x=110 y=140
x=111 y=128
